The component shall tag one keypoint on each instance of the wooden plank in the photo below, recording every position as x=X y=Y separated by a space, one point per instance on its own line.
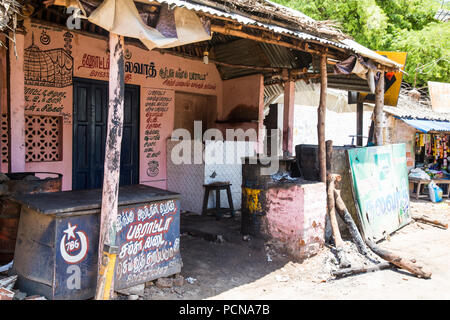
x=110 y=194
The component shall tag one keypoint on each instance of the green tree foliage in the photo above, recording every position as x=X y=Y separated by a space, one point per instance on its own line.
x=428 y=53
x=390 y=25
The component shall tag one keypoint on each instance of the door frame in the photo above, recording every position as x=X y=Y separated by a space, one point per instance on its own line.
x=103 y=82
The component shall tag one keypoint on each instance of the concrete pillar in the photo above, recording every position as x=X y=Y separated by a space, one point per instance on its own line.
x=17 y=106
x=288 y=118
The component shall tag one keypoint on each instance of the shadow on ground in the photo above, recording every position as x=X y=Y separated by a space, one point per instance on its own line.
x=215 y=254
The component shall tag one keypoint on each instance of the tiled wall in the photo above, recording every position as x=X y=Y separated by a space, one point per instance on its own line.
x=188 y=179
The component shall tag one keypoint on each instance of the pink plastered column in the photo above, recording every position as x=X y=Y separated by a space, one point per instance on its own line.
x=17 y=103
x=288 y=117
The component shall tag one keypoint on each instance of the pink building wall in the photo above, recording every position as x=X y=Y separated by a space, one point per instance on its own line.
x=90 y=60
x=83 y=56
x=245 y=93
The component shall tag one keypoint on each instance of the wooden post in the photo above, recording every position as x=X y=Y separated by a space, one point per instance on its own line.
x=347 y=218
x=401 y=262
x=361 y=269
x=432 y=221
x=16 y=112
x=107 y=243
x=378 y=111
x=321 y=119
x=288 y=116
x=359 y=123
x=332 y=211
x=339 y=244
x=329 y=154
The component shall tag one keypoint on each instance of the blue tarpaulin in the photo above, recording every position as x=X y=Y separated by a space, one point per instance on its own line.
x=428 y=125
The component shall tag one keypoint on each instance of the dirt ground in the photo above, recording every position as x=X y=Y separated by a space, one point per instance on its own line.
x=224 y=266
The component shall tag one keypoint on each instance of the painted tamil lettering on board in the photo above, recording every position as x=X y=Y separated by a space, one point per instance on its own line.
x=149 y=238
x=381 y=188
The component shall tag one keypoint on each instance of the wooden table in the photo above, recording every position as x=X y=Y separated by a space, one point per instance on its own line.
x=421 y=182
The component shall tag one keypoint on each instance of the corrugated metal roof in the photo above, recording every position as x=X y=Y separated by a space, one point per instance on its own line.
x=280 y=57
x=428 y=125
x=420 y=113
x=271 y=93
x=346 y=44
x=409 y=108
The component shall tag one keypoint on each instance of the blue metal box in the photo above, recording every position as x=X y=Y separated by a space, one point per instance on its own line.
x=56 y=251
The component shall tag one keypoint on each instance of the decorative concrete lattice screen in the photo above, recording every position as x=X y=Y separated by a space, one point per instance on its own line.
x=4 y=138
x=42 y=138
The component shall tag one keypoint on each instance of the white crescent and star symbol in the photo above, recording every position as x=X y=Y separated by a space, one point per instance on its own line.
x=69 y=234
x=70 y=231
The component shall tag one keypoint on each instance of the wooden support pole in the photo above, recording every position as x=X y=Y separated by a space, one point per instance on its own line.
x=288 y=116
x=378 y=111
x=321 y=118
x=107 y=243
x=359 y=123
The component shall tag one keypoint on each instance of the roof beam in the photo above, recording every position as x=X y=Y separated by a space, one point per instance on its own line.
x=223 y=64
x=270 y=37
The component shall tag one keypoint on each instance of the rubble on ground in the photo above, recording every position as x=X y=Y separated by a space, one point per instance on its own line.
x=330 y=262
x=8 y=290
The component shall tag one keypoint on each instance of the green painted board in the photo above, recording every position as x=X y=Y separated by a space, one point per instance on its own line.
x=381 y=188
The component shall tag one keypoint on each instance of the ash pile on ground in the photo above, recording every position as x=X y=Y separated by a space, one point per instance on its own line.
x=352 y=255
x=320 y=267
